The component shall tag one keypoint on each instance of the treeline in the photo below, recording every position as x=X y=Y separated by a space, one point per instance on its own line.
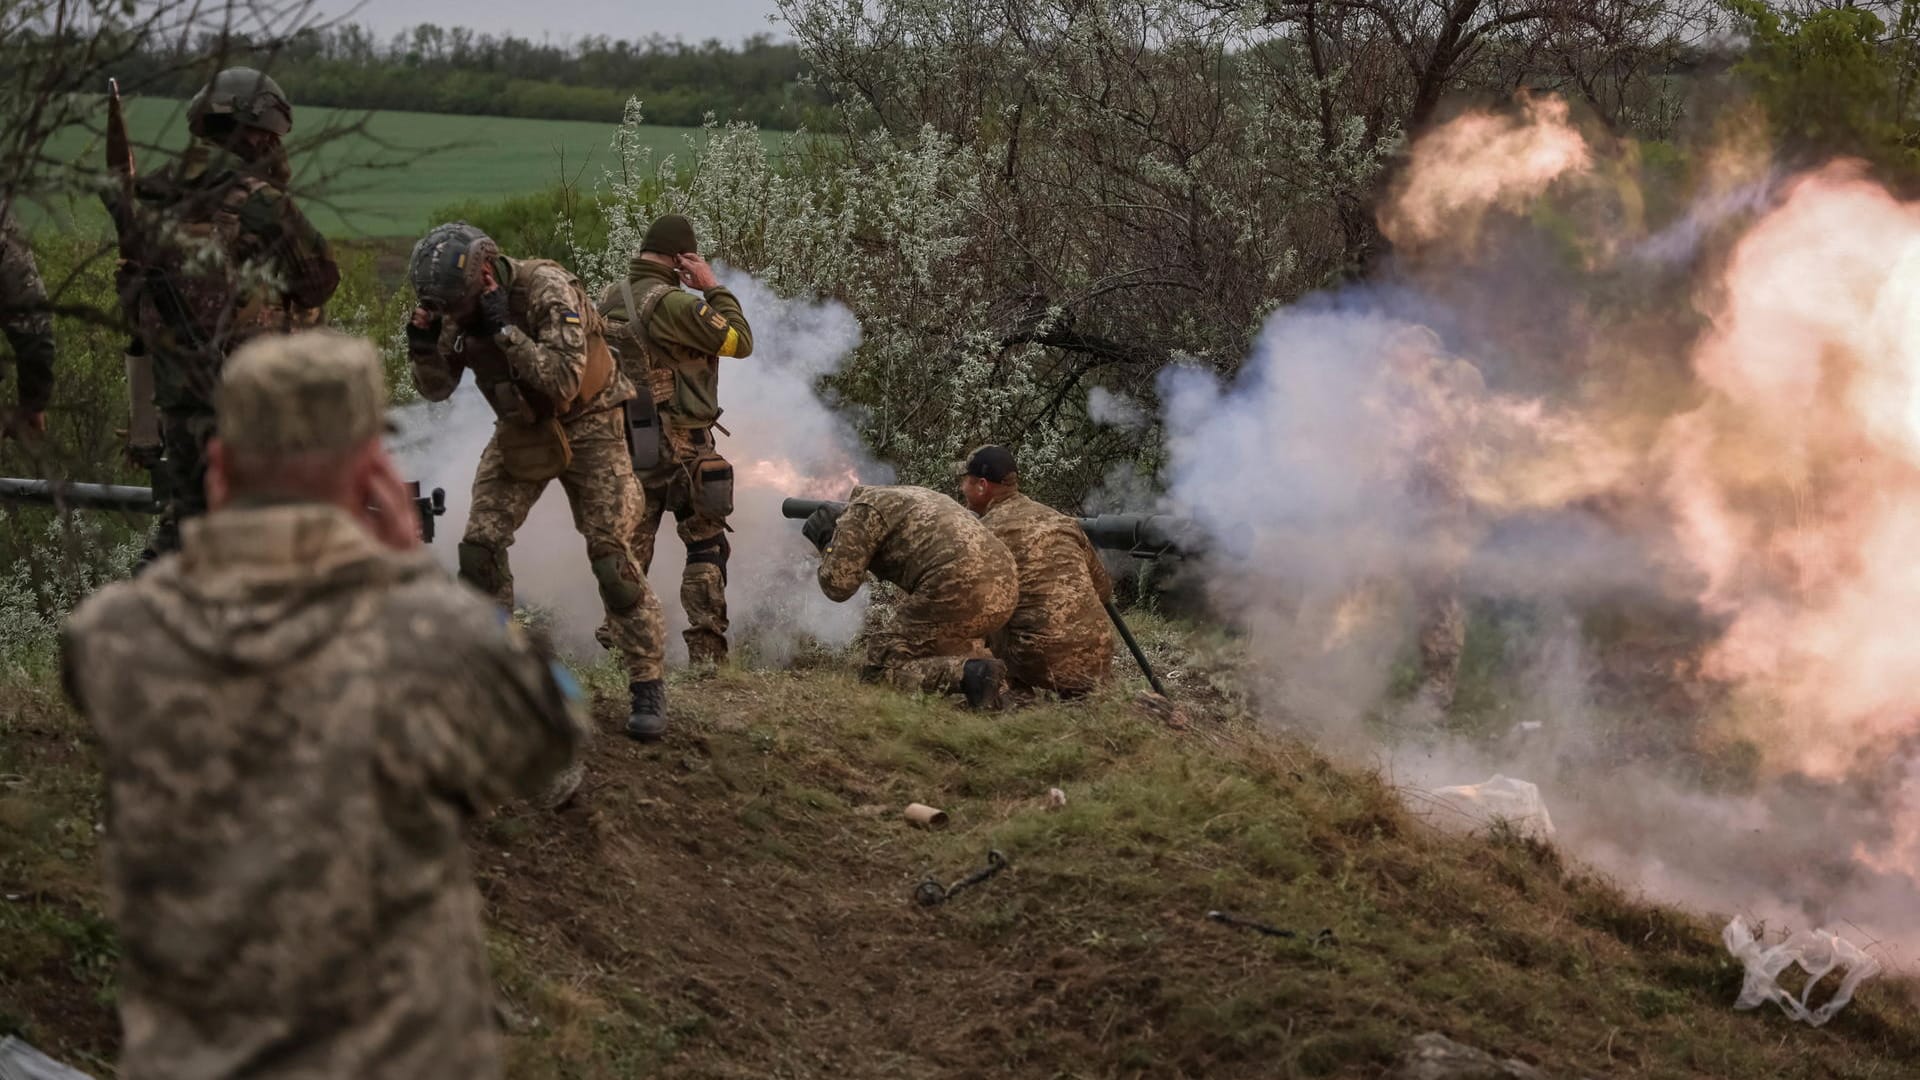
x=454 y=70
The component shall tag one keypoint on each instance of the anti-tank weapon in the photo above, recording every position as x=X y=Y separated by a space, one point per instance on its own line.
x=132 y=499
x=1142 y=536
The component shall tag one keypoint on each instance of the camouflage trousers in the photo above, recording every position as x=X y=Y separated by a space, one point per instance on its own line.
x=926 y=646
x=180 y=478
x=698 y=491
x=1069 y=666
x=606 y=503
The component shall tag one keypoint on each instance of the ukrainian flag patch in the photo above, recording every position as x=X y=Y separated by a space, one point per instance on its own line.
x=571 y=318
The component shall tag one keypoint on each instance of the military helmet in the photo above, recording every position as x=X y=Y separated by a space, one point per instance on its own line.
x=446 y=264
x=247 y=95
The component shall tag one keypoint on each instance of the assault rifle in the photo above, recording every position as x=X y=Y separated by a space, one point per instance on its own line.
x=127 y=498
x=1143 y=536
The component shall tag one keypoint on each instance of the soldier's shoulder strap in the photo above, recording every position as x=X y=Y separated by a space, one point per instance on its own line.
x=599 y=370
x=640 y=316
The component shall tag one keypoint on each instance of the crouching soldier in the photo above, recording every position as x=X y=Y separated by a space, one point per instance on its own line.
x=961 y=585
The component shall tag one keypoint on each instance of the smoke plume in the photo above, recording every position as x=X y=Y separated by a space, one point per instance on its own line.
x=1671 y=467
x=784 y=441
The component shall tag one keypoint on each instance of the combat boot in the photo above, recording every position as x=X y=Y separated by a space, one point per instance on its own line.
x=648 y=721
x=981 y=681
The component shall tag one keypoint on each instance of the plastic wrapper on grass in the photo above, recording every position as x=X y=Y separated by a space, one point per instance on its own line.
x=1819 y=952
x=1501 y=799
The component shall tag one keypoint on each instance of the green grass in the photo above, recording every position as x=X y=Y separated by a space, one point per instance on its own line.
x=735 y=902
x=387 y=179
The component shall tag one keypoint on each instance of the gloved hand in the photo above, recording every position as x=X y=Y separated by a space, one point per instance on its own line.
x=819 y=526
x=423 y=331
x=494 y=314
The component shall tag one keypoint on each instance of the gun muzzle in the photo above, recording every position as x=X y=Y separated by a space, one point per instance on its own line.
x=802 y=509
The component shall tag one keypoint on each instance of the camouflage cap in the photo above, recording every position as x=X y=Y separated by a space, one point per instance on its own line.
x=310 y=392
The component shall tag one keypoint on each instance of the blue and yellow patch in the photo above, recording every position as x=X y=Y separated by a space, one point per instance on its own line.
x=571 y=318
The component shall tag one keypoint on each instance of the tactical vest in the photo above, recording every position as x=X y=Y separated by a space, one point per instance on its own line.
x=516 y=401
x=199 y=292
x=685 y=382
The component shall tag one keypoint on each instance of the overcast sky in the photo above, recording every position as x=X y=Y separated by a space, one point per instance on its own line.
x=694 y=20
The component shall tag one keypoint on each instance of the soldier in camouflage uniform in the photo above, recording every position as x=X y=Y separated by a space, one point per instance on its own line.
x=1059 y=637
x=297 y=715
x=223 y=255
x=670 y=343
x=538 y=355
x=961 y=586
x=28 y=322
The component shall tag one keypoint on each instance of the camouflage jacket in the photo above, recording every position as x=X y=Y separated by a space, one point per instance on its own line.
x=916 y=538
x=677 y=354
x=25 y=317
x=543 y=349
x=224 y=255
x=1062 y=580
x=295 y=722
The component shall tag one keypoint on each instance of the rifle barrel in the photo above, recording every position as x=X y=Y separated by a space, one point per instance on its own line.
x=78 y=496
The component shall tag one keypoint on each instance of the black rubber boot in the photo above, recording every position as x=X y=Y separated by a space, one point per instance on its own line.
x=981 y=682
x=648 y=721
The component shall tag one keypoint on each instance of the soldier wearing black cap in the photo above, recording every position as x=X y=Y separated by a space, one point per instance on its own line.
x=1058 y=638
x=670 y=343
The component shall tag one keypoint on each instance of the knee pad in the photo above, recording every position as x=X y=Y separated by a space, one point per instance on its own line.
x=713 y=552
x=480 y=566
x=620 y=592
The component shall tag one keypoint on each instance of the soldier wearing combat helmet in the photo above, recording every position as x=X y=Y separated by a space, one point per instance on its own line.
x=671 y=343
x=223 y=255
x=535 y=345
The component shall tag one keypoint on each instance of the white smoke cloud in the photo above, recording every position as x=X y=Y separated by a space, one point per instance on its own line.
x=1112 y=410
x=783 y=437
x=1358 y=466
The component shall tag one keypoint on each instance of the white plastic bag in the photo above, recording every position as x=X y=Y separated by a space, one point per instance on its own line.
x=18 y=1061
x=1818 y=951
x=1502 y=799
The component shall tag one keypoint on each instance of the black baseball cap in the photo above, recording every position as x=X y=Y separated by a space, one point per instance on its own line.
x=991 y=463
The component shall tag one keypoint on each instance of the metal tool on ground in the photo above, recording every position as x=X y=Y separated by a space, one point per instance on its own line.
x=931 y=893
x=132 y=499
x=1225 y=918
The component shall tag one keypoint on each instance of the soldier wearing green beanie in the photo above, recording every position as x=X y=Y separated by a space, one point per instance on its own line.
x=671 y=342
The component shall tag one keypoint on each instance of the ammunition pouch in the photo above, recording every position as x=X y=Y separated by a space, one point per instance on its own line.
x=533 y=453
x=713 y=488
x=645 y=441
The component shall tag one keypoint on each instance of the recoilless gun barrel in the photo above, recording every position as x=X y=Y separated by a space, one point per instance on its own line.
x=128 y=498
x=1143 y=536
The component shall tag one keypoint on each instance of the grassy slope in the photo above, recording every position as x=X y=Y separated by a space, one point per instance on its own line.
x=734 y=903
x=395 y=183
